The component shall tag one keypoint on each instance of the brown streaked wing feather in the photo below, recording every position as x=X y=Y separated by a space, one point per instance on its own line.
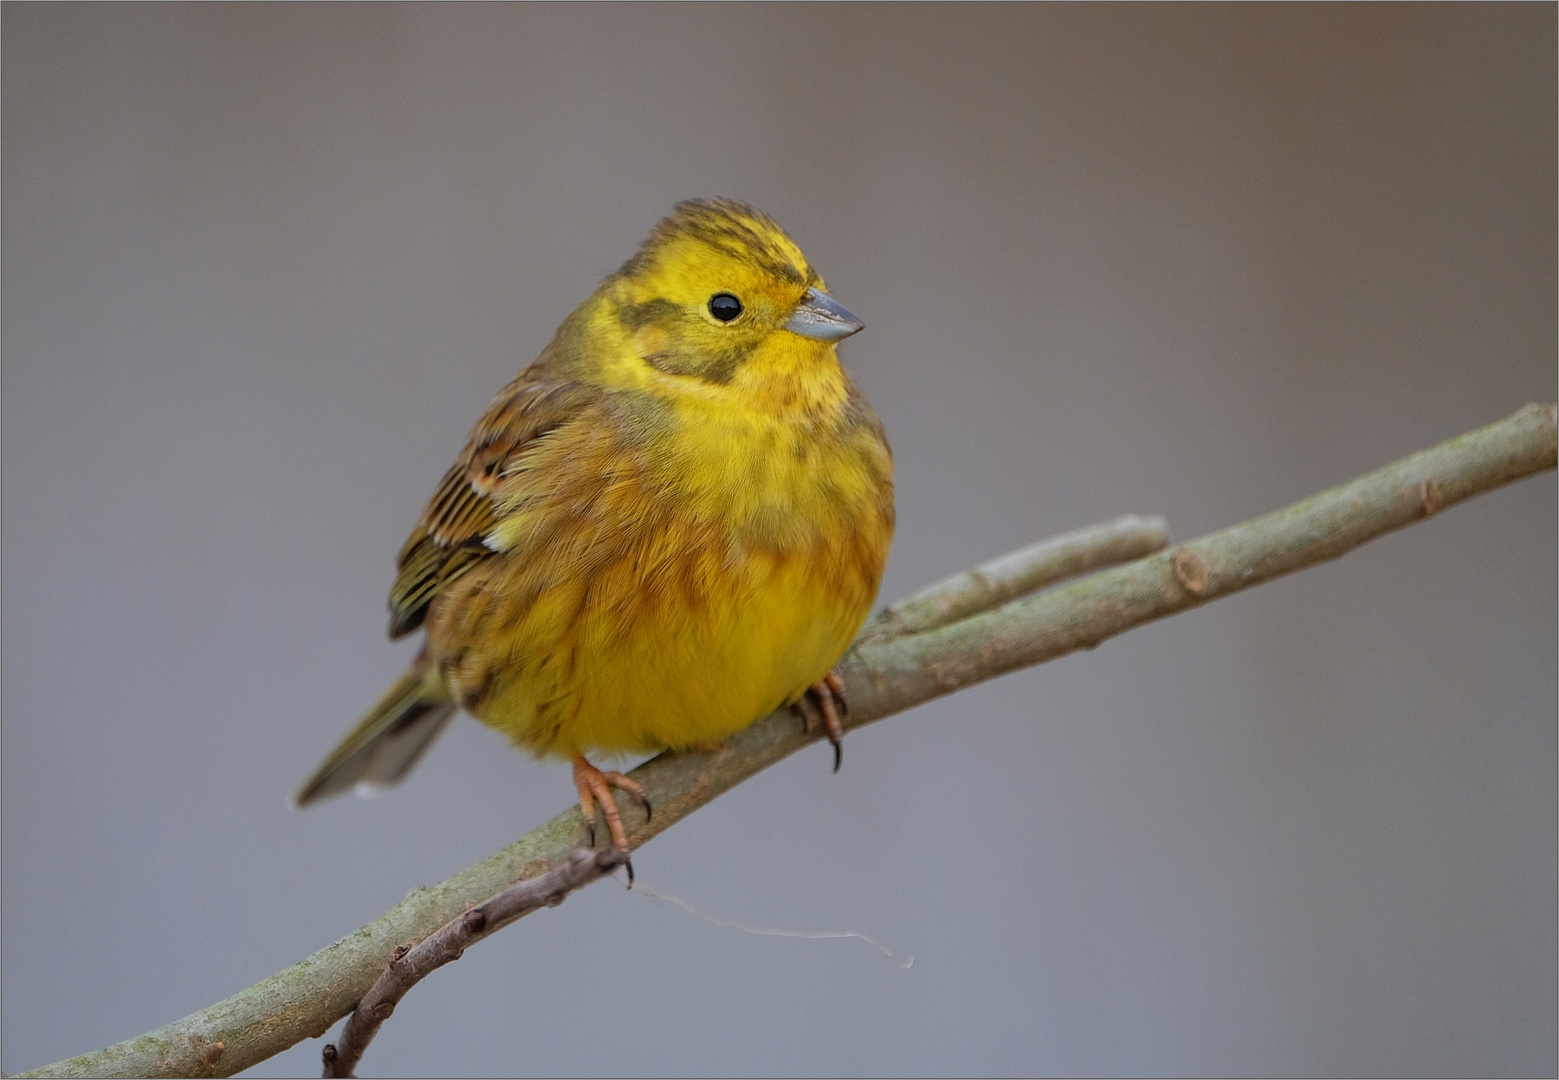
x=449 y=538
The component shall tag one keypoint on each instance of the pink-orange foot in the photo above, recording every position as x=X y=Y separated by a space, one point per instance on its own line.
x=827 y=697
x=595 y=788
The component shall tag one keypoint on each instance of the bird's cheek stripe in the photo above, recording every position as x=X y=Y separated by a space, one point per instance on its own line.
x=719 y=369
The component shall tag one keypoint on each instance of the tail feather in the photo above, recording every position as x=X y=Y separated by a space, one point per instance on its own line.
x=387 y=742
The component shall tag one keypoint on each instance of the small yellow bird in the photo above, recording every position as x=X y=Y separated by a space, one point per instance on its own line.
x=670 y=524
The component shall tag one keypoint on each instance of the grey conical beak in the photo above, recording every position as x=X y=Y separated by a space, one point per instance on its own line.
x=820 y=318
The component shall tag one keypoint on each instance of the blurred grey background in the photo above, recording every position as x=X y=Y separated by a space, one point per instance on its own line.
x=263 y=266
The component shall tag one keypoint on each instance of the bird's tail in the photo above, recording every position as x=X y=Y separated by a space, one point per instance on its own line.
x=387 y=742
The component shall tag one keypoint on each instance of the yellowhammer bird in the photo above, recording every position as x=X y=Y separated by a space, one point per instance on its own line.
x=670 y=524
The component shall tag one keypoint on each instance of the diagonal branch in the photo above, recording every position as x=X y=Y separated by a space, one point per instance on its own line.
x=1038 y=628
x=1024 y=571
x=409 y=965
x=968 y=592
x=882 y=675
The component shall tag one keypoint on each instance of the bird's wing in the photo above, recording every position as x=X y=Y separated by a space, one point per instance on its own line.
x=451 y=536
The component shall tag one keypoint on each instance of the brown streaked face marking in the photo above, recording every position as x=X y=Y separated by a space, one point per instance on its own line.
x=635 y=317
x=718 y=370
x=707 y=253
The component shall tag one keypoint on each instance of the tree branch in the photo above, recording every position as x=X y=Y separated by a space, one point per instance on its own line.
x=410 y=965
x=882 y=675
x=919 y=667
x=1024 y=571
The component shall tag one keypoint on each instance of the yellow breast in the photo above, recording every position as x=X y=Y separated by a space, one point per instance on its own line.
x=674 y=567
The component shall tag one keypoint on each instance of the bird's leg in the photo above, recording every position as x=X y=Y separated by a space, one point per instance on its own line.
x=594 y=787
x=828 y=698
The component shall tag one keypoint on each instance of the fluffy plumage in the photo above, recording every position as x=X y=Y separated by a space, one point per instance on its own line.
x=668 y=525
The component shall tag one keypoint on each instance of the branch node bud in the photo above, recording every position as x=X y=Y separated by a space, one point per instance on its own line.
x=1190 y=571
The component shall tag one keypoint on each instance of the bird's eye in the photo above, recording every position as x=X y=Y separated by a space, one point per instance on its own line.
x=724 y=306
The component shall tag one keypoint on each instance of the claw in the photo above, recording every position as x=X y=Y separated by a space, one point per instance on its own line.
x=595 y=788
x=803 y=709
x=834 y=683
x=828 y=698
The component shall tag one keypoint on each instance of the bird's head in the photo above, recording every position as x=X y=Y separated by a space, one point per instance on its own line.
x=718 y=286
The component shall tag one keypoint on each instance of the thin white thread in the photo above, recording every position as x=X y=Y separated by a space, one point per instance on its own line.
x=815 y=935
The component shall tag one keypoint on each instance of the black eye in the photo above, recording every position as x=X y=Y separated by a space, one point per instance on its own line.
x=724 y=306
